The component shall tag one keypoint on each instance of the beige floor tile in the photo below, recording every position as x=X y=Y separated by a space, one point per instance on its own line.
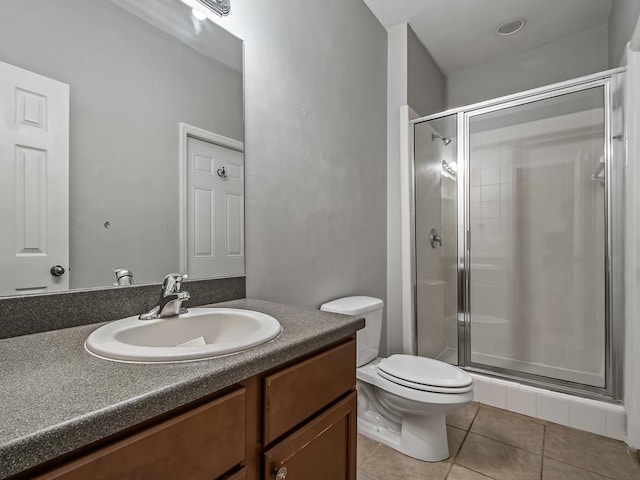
x=366 y=446
x=461 y=473
x=509 y=428
x=588 y=451
x=463 y=417
x=553 y=470
x=455 y=437
x=518 y=415
x=362 y=476
x=387 y=464
x=635 y=460
x=497 y=460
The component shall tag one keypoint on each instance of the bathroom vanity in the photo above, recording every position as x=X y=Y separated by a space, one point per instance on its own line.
x=277 y=411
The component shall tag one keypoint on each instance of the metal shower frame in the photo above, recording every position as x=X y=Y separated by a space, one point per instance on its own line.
x=612 y=82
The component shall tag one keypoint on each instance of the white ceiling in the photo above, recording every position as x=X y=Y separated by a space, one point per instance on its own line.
x=461 y=33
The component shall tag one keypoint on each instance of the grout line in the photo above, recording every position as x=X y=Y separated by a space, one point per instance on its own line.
x=521 y=416
x=476 y=471
x=509 y=445
x=474 y=417
x=374 y=450
x=367 y=458
x=466 y=434
x=544 y=438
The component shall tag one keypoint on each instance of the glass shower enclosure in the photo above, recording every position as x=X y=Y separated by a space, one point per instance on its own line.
x=518 y=269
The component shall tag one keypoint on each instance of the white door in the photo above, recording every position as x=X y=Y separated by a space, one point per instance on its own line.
x=34 y=182
x=215 y=210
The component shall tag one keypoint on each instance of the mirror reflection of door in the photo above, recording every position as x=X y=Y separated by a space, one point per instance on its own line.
x=215 y=210
x=34 y=182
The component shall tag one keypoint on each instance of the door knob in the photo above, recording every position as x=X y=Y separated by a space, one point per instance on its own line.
x=281 y=473
x=57 y=270
x=434 y=238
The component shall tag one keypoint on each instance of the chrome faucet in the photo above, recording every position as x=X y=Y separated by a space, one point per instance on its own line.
x=171 y=298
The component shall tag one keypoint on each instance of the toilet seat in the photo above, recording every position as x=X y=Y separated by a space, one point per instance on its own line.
x=369 y=374
x=425 y=374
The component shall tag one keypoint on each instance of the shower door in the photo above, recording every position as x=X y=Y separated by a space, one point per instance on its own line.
x=525 y=277
x=435 y=170
x=536 y=266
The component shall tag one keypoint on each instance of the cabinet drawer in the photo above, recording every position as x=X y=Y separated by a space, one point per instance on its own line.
x=203 y=443
x=240 y=475
x=323 y=449
x=295 y=393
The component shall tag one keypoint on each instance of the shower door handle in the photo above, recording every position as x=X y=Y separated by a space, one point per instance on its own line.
x=434 y=237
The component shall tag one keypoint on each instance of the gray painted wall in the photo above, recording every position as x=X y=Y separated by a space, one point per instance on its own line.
x=397 y=71
x=413 y=79
x=131 y=85
x=571 y=57
x=622 y=21
x=315 y=97
x=426 y=84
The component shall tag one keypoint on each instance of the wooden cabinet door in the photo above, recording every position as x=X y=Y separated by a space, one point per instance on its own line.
x=200 y=444
x=296 y=393
x=323 y=449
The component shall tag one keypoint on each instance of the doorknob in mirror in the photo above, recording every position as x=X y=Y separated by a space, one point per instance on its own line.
x=434 y=238
x=57 y=270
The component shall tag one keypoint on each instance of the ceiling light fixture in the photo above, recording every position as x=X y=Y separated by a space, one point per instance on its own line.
x=510 y=26
x=198 y=15
x=209 y=8
x=221 y=7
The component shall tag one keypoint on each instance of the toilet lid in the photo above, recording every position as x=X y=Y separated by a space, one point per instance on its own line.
x=424 y=374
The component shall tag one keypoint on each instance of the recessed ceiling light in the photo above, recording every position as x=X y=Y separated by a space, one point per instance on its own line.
x=510 y=26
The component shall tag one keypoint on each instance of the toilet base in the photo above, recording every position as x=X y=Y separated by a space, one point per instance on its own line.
x=423 y=437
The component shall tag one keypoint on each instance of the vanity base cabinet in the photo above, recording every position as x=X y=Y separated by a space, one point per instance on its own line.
x=301 y=416
x=295 y=393
x=325 y=448
x=241 y=475
x=203 y=443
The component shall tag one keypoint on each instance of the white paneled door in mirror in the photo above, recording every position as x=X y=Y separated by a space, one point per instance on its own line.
x=34 y=182
x=215 y=212
x=135 y=70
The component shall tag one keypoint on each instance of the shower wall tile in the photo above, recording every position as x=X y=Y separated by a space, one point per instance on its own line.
x=617 y=424
x=490 y=392
x=585 y=416
x=553 y=407
x=491 y=193
x=490 y=176
x=521 y=399
x=490 y=210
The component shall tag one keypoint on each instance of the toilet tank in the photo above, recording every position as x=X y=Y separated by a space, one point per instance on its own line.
x=371 y=309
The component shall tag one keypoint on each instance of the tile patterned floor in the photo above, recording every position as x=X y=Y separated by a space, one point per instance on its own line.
x=488 y=443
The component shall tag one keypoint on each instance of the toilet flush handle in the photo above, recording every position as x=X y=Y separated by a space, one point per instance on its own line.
x=434 y=238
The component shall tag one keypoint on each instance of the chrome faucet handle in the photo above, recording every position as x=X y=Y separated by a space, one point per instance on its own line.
x=173 y=283
x=171 y=298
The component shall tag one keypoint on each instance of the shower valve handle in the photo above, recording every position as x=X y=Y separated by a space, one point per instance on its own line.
x=434 y=238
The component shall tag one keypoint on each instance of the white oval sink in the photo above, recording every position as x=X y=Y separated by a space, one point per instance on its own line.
x=201 y=333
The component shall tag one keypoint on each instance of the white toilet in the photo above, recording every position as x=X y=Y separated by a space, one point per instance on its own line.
x=403 y=399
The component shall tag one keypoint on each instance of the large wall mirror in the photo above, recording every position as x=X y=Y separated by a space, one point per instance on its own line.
x=121 y=139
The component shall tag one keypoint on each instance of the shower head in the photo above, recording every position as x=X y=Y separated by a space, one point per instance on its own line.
x=446 y=140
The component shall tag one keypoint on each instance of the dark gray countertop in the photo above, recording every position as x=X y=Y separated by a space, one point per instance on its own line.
x=55 y=397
